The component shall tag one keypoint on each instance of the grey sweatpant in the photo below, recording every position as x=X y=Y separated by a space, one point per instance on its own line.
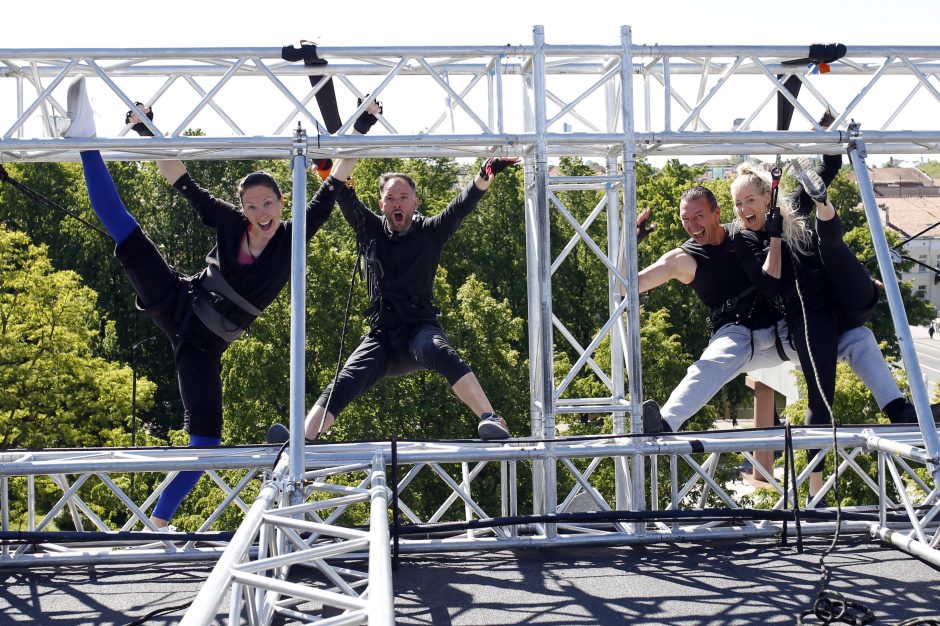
x=729 y=354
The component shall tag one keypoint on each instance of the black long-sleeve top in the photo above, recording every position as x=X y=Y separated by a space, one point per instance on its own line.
x=261 y=281
x=400 y=267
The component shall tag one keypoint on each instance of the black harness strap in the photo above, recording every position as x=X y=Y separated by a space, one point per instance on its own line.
x=184 y=307
x=38 y=197
x=326 y=96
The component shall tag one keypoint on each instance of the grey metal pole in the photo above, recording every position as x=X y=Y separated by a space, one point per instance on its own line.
x=381 y=595
x=298 y=277
x=857 y=154
x=533 y=289
x=635 y=372
x=545 y=353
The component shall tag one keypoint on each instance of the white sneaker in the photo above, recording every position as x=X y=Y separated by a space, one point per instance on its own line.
x=81 y=117
x=492 y=426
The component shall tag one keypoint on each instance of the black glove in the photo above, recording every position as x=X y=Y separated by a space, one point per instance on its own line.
x=643 y=231
x=140 y=128
x=494 y=165
x=366 y=121
x=773 y=224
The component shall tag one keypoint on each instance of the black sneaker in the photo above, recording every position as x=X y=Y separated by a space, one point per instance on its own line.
x=492 y=426
x=278 y=433
x=653 y=421
x=908 y=414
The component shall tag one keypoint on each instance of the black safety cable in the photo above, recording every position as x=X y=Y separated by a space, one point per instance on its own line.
x=342 y=341
x=357 y=268
x=904 y=242
x=796 y=496
x=396 y=510
x=38 y=197
x=156 y=612
x=789 y=474
x=824 y=594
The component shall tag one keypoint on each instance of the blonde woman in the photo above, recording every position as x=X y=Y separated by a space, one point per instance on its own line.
x=808 y=270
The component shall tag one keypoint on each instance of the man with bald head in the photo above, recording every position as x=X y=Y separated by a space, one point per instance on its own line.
x=747 y=332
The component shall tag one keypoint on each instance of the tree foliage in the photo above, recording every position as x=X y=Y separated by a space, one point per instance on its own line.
x=69 y=323
x=55 y=391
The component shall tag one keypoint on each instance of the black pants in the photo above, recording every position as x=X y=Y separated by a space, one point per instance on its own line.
x=818 y=355
x=852 y=289
x=198 y=353
x=382 y=354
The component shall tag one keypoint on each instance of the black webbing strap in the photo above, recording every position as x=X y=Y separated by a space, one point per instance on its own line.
x=38 y=197
x=326 y=96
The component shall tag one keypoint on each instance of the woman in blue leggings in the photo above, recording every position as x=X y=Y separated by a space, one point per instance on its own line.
x=201 y=315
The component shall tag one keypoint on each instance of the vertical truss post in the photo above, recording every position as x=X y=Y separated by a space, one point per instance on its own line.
x=617 y=334
x=857 y=153
x=298 y=280
x=635 y=377
x=381 y=606
x=540 y=327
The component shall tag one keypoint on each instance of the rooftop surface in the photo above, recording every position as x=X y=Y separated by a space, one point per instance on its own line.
x=736 y=583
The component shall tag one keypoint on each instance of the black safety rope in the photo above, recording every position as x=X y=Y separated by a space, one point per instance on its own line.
x=32 y=194
x=339 y=359
x=396 y=510
x=823 y=607
x=357 y=268
x=789 y=475
x=157 y=612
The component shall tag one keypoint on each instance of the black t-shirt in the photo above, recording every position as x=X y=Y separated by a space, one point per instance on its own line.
x=720 y=282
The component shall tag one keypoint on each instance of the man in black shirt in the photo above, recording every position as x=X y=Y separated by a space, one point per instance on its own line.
x=746 y=334
x=402 y=250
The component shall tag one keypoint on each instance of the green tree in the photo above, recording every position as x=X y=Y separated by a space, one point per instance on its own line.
x=930 y=168
x=55 y=392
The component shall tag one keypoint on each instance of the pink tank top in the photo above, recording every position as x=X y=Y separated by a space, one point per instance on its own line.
x=243 y=257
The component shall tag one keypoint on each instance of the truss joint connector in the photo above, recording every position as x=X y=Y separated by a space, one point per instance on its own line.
x=299 y=147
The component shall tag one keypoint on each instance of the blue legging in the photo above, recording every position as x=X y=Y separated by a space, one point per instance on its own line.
x=104 y=197
x=184 y=482
x=120 y=224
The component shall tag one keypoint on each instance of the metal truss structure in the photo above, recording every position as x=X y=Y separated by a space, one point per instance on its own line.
x=326 y=505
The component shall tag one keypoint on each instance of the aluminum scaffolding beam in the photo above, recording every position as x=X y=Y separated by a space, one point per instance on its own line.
x=614 y=103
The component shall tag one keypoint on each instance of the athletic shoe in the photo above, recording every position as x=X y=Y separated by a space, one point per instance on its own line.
x=169 y=528
x=81 y=117
x=492 y=426
x=802 y=170
x=653 y=421
x=277 y=433
x=908 y=414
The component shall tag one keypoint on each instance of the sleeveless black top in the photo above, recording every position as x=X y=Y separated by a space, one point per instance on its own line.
x=720 y=282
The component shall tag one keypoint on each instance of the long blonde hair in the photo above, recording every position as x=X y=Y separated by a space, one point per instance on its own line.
x=796 y=231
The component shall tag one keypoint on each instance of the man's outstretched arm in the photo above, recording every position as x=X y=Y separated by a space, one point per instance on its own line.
x=674 y=264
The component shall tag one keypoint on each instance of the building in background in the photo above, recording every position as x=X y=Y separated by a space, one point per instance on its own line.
x=909 y=203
